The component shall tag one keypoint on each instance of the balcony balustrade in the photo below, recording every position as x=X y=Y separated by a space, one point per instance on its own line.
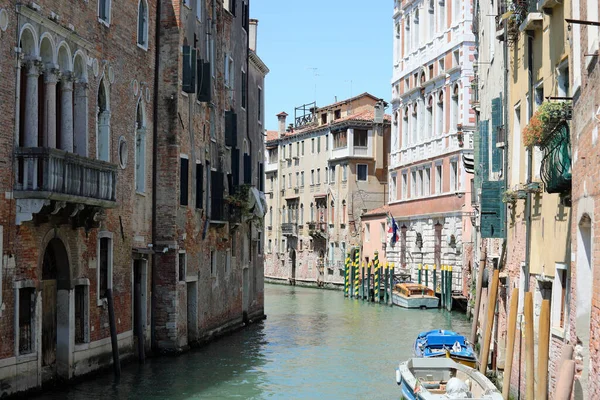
x=289 y=229
x=46 y=173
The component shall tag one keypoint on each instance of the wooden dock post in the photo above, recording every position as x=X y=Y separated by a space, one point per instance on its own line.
x=426 y=276
x=449 y=291
x=442 y=286
x=489 y=323
x=566 y=377
x=510 y=345
x=369 y=281
x=419 y=272
x=543 y=351
x=434 y=279
x=479 y=285
x=386 y=280
x=392 y=272
x=376 y=282
x=529 y=355
x=362 y=282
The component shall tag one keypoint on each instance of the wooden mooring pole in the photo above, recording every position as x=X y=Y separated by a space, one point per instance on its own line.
x=510 y=345
x=489 y=323
x=479 y=285
x=529 y=355
x=543 y=351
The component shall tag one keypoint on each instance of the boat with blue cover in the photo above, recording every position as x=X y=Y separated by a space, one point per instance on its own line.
x=448 y=344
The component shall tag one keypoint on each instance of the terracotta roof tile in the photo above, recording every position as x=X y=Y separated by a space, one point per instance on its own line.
x=272 y=135
x=378 y=211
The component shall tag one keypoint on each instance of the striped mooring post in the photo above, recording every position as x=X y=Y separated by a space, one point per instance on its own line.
x=362 y=281
x=434 y=279
x=426 y=276
x=443 y=287
x=419 y=269
x=369 y=281
x=391 y=302
x=449 y=293
x=351 y=279
x=385 y=282
x=357 y=267
x=347 y=276
x=376 y=280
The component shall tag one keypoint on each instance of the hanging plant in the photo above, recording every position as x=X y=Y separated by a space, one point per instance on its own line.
x=545 y=120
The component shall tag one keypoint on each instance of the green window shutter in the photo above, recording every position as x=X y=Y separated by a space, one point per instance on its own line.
x=492 y=210
x=477 y=158
x=484 y=145
x=496 y=125
x=189 y=69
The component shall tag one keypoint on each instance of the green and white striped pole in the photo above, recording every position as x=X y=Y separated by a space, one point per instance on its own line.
x=426 y=276
x=369 y=281
x=357 y=266
x=419 y=269
x=376 y=283
x=347 y=276
x=443 y=288
x=449 y=294
x=392 y=271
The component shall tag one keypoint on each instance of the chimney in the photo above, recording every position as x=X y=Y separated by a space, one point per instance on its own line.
x=281 y=118
x=252 y=34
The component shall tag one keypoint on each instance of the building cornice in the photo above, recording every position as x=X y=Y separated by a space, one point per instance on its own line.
x=258 y=63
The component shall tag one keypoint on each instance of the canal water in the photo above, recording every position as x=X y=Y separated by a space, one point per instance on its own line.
x=315 y=344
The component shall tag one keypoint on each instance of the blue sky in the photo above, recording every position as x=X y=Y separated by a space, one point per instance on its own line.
x=348 y=41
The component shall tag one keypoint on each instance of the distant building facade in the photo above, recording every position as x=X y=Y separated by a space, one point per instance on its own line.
x=432 y=130
x=322 y=174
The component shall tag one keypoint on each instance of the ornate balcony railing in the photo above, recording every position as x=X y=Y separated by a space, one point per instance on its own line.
x=46 y=173
x=555 y=170
x=289 y=229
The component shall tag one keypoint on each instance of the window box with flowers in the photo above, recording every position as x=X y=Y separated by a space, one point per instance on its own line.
x=544 y=123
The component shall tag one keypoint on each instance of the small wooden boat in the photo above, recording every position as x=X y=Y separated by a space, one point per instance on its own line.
x=442 y=343
x=414 y=295
x=443 y=378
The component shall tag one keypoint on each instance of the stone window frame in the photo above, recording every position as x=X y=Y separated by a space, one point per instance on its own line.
x=86 y=328
x=556 y=304
x=108 y=5
x=100 y=301
x=18 y=286
x=366 y=174
x=145 y=39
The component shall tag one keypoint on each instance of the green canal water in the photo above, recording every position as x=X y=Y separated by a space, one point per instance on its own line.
x=315 y=344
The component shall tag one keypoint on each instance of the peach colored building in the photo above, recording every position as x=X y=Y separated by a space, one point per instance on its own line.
x=432 y=129
x=322 y=174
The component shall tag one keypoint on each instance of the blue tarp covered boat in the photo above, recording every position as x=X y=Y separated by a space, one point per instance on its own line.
x=442 y=343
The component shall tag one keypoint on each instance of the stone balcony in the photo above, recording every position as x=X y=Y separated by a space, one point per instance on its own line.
x=55 y=179
x=289 y=229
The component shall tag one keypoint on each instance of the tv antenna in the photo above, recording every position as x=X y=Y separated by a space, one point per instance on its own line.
x=315 y=74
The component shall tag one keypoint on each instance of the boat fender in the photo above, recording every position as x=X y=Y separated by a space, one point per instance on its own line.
x=398 y=377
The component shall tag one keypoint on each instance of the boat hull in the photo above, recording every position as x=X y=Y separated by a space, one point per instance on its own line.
x=419 y=301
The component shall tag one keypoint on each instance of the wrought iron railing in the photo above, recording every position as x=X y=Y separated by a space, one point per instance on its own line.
x=52 y=171
x=555 y=169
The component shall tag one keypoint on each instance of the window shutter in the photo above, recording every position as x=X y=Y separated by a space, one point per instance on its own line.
x=189 y=69
x=204 y=82
x=183 y=181
x=484 y=153
x=235 y=166
x=492 y=210
x=261 y=178
x=247 y=169
x=496 y=126
x=200 y=186
x=230 y=129
x=217 y=187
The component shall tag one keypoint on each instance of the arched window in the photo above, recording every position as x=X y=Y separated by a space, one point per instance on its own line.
x=429 y=116
x=312 y=212
x=104 y=11
x=271 y=216
x=439 y=114
x=140 y=149
x=301 y=214
x=344 y=212
x=454 y=112
x=80 y=106
x=283 y=215
x=142 y=31
x=103 y=122
x=332 y=221
x=414 y=124
x=405 y=134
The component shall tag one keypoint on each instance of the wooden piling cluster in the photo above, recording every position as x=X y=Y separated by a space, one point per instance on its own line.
x=371 y=282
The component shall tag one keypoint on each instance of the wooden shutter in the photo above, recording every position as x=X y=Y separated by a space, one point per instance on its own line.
x=183 y=181
x=189 y=69
x=230 y=129
x=235 y=167
x=492 y=210
x=199 y=185
x=484 y=144
x=205 y=83
x=217 y=188
x=247 y=169
x=496 y=126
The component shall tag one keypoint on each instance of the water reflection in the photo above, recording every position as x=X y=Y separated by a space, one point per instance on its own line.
x=314 y=344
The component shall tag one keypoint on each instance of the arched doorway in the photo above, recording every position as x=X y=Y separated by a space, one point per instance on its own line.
x=56 y=282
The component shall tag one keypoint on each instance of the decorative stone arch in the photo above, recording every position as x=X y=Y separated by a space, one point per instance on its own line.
x=57 y=339
x=103 y=119
x=141 y=122
x=80 y=66
x=28 y=41
x=47 y=49
x=422 y=76
x=143 y=21
x=64 y=58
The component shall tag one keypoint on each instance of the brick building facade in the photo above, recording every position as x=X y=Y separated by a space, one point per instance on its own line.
x=93 y=194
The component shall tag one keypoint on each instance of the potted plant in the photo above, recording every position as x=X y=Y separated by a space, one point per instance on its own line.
x=543 y=123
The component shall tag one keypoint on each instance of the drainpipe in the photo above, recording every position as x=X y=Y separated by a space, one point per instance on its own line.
x=155 y=100
x=529 y=161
